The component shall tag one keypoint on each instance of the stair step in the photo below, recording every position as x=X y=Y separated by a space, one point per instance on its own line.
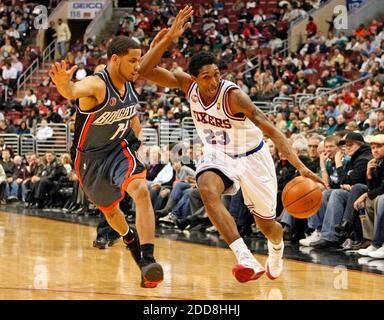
x=37 y=78
x=43 y=72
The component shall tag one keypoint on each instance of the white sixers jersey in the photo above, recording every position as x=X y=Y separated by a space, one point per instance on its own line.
x=217 y=127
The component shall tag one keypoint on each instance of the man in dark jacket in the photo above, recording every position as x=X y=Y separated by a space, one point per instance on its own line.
x=341 y=200
x=49 y=179
x=35 y=169
x=372 y=227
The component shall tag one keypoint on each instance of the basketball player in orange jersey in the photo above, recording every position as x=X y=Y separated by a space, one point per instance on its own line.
x=106 y=143
x=230 y=127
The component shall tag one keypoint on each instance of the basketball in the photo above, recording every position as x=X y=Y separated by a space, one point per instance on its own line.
x=302 y=197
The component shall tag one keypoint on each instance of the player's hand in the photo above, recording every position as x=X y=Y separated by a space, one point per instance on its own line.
x=59 y=73
x=160 y=35
x=180 y=24
x=309 y=174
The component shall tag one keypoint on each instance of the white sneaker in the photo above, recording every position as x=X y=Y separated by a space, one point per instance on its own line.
x=248 y=268
x=274 y=263
x=315 y=236
x=170 y=218
x=365 y=252
x=364 y=260
x=378 y=264
x=378 y=254
x=211 y=229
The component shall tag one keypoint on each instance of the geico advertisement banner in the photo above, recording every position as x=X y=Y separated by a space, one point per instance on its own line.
x=84 y=9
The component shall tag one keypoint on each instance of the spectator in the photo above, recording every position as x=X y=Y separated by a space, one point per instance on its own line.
x=362 y=121
x=53 y=117
x=23 y=129
x=81 y=58
x=170 y=117
x=17 y=65
x=341 y=200
x=63 y=38
x=331 y=179
x=33 y=119
x=9 y=75
x=29 y=99
x=65 y=159
x=81 y=72
x=44 y=132
x=49 y=179
x=332 y=125
x=35 y=168
x=20 y=174
x=9 y=169
x=373 y=201
x=340 y=121
x=311 y=28
x=50 y=33
x=372 y=129
x=334 y=80
x=3 y=182
x=5 y=128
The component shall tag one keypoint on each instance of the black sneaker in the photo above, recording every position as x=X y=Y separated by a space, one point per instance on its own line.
x=134 y=246
x=100 y=242
x=151 y=273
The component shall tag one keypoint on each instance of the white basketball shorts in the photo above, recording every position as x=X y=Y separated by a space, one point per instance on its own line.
x=255 y=174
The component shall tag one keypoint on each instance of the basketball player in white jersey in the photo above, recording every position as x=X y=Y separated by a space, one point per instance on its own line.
x=230 y=126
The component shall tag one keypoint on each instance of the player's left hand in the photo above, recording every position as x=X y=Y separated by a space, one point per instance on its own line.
x=160 y=35
x=180 y=23
x=309 y=174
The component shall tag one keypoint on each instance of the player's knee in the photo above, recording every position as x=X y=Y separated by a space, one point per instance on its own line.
x=141 y=192
x=267 y=226
x=209 y=194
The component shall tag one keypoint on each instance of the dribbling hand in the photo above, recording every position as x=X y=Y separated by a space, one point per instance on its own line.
x=59 y=73
x=309 y=174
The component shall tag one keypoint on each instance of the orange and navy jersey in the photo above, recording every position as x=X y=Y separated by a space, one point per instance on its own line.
x=108 y=123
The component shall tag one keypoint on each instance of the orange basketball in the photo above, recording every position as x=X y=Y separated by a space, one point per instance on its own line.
x=302 y=197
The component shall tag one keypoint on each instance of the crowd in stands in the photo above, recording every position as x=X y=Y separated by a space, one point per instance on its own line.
x=16 y=24
x=333 y=134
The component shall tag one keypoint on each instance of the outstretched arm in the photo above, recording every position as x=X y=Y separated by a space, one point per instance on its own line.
x=61 y=77
x=239 y=102
x=161 y=42
x=168 y=79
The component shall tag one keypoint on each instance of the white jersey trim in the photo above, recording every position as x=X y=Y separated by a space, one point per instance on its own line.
x=226 y=109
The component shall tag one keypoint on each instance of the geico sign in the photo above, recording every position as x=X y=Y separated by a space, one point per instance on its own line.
x=88 y=5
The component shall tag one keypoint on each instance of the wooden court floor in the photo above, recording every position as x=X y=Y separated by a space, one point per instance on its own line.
x=47 y=259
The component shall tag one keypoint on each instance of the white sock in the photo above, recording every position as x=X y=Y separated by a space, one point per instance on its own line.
x=238 y=246
x=277 y=247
